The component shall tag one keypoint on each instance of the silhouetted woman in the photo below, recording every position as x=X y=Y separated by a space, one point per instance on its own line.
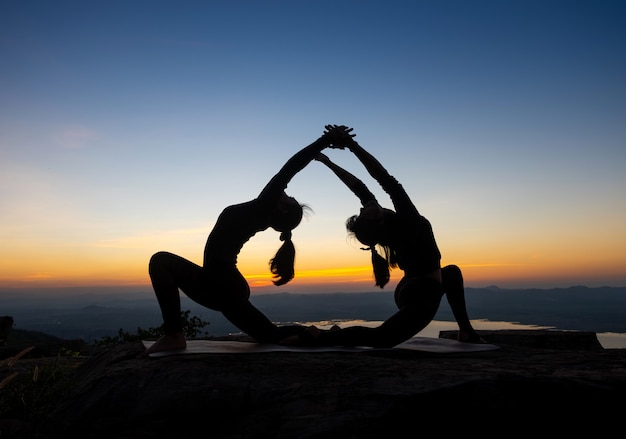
x=405 y=240
x=218 y=284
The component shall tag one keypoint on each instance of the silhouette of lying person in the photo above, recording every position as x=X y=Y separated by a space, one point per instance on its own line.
x=218 y=284
x=405 y=239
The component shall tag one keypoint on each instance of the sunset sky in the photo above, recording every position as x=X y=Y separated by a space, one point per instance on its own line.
x=127 y=126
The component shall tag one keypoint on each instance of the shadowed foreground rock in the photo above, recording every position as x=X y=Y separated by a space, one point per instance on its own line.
x=539 y=382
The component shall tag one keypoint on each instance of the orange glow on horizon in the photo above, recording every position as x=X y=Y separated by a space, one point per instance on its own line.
x=85 y=270
x=343 y=278
x=130 y=276
x=346 y=275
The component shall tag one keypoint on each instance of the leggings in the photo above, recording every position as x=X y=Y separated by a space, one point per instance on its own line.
x=220 y=287
x=418 y=300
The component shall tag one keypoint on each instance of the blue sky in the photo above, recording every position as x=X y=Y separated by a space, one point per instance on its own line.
x=127 y=126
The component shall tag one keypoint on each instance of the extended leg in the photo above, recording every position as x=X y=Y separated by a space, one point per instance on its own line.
x=418 y=300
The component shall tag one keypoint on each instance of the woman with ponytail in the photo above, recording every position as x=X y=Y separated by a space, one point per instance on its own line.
x=218 y=284
x=402 y=238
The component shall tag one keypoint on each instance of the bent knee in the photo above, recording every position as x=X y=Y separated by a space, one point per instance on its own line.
x=157 y=257
x=451 y=271
x=159 y=260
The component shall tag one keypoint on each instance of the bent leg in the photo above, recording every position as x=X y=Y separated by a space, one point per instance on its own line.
x=452 y=280
x=166 y=271
x=418 y=300
x=169 y=272
x=409 y=320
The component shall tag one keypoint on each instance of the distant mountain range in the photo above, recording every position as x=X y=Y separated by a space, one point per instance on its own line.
x=92 y=316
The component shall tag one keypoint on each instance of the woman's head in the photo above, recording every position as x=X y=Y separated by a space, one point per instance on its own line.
x=287 y=214
x=369 y=227
x=285 y=217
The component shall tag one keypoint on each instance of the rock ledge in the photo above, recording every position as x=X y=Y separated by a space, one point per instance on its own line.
x=539 y=381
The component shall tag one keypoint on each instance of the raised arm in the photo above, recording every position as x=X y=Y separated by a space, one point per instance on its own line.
x=354 y=184
x=333 y=135
x=373 y=166
x=389 y=183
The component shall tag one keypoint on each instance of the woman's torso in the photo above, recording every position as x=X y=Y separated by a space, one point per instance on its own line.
x=414 y=244
x=234 y=227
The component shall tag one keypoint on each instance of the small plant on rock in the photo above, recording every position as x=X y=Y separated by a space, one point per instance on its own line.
x=192 y=327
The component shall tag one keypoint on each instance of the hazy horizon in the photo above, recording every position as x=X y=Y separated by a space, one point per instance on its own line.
x=100 y=290
x=93 y=315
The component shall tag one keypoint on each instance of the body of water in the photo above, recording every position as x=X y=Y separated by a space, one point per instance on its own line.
x=608 y=340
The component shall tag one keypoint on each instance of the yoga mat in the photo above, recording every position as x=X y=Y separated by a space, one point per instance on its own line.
x=424 y=344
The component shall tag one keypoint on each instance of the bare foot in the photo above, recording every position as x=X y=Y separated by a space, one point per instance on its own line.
x=172 y=342
x=470 y=337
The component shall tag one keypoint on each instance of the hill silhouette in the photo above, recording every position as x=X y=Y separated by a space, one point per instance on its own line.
x=93 y=316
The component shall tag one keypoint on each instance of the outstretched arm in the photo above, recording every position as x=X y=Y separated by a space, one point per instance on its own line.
x=353 y=183
x=373 y=166
x=389 y=184
x=333 y=136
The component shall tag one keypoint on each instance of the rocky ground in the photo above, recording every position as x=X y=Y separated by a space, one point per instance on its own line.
x=538 y=382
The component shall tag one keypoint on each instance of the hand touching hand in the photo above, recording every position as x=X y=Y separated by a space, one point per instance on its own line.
x=339 y=136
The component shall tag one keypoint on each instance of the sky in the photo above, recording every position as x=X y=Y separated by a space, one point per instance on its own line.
x=127 y=126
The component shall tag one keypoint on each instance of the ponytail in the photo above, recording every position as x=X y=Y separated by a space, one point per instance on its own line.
x=366 y=232
x=380 y=266
x=282 y=264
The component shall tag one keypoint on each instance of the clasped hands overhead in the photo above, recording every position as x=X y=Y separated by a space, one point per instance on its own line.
x=339 y=136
